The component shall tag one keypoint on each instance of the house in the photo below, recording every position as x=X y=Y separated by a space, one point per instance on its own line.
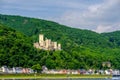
x=63 y=71
x=44 y=69
x=10 y=70
x=116 y=71
x=27 y=70
x=5 y=69
x=18 y=69
x=75 y=72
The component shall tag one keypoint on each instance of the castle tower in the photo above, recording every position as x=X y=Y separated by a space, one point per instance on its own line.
x=55 y=45
x=48 y=45
x=59 y=46
x=41 y=39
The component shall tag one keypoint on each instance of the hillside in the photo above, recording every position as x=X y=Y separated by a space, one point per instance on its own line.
x=113 y=37
x=14 y=47
x=65 y=35
x=80 y=48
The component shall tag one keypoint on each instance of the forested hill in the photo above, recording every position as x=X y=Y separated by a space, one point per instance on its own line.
x=15 y=48
x=65 y=35
x=113 y=37
x=80 y=48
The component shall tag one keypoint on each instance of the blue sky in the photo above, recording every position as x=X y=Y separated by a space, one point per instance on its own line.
x=95 y=15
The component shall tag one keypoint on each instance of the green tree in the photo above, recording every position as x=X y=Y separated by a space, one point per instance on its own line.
x=37 y=68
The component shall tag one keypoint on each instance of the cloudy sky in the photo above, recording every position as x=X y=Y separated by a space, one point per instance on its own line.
x=95 y=15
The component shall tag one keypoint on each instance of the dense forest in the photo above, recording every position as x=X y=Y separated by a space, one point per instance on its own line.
x=81 y=49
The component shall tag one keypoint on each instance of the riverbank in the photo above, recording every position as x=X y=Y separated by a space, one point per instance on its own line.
x=49 y=76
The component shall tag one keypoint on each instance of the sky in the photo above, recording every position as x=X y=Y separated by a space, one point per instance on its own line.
x=96 y=15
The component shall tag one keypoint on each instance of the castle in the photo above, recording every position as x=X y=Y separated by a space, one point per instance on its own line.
x=46 y=44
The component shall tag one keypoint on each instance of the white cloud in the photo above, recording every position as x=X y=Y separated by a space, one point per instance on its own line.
x=107 y=28
x=97 y=15
x=102 y=28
